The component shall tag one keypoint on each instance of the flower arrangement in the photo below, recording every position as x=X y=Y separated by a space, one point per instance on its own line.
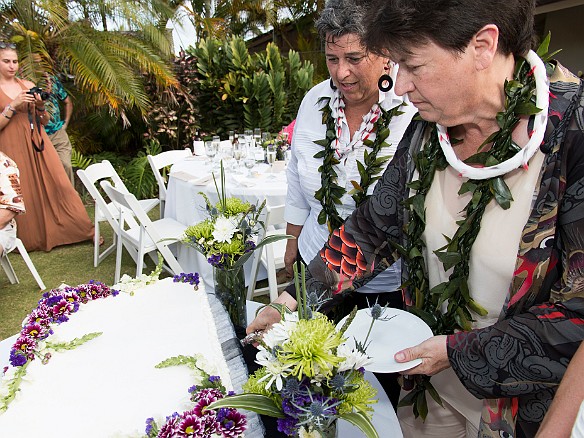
x=54 y=307
x=199 y=422
x=226 y=237
x=309 y=378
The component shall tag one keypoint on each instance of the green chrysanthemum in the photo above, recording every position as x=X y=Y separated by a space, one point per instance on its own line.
x=203 y=229
x=233 y=248
x=361 y=399
x=234 y=206
x=309 y=351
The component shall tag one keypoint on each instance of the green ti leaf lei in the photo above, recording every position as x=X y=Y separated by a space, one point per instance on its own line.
x=330 y=193
x=427 y=303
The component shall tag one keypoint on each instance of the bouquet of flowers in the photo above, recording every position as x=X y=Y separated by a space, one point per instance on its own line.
x=226 y=239
x=199 y=422
x=309 y=377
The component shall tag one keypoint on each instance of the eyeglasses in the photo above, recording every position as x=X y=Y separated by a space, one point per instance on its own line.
x=4 y=45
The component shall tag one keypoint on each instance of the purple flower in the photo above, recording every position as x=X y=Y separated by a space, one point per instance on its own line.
x=34 y=331
x=216 y=260
x=17 y=358
x=231 y=423
x=25 y=346
x=149 y=425
x=169 y=429
x=287 y=425
x=214 y=379
x=192 y=389
x=190 y=425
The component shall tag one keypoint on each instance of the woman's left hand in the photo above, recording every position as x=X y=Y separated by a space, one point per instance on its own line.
x=433 y=354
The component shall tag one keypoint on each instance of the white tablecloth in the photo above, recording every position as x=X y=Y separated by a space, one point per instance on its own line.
x=185 y=204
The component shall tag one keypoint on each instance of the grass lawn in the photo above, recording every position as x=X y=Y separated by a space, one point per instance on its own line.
x=70 y=264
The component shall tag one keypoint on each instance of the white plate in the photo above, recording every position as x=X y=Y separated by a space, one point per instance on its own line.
x=396 y=330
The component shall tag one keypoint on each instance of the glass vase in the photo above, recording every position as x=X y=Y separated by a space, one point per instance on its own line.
x=231 y=292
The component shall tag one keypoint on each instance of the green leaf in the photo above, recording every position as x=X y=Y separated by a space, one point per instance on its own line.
x=422 y=405
x=258 y=403
x=477 y=308
x=526 y=109
x=501 y=191
x=362 y=421
x=433 y=393
x=448 y=259
x=71 y=345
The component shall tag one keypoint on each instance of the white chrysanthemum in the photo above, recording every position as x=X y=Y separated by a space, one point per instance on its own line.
x=224 y=229
x=353 y=359
x=275 y=370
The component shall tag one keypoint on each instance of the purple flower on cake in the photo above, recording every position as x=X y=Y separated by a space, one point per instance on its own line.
x=55 y=306
x=17 y=359
x=200 y=422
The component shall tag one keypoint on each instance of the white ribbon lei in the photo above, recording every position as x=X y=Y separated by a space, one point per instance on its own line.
x=522 y=157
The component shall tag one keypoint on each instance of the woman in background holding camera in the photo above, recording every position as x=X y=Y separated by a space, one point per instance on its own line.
x=55 y=214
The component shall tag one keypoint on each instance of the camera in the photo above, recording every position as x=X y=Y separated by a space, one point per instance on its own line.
x=37 y=90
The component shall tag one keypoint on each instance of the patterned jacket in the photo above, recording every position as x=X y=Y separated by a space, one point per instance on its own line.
x=515 y=364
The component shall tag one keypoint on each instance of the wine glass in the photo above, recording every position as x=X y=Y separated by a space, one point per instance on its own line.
x=210 y=150
x=216 y=142
x=271 y=155
x=238 y=152
x=257 y=135
x=248 y=136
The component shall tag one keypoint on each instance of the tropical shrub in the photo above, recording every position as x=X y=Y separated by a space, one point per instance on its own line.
x=236 y=91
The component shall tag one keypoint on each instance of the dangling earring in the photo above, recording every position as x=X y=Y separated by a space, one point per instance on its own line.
x=385 y=83
x=332 y=84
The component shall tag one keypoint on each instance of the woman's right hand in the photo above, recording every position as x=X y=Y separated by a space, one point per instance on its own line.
x=267 y=317
x=22 y=100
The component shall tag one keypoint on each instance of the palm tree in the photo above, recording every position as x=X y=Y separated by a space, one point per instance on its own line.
x=108 y=66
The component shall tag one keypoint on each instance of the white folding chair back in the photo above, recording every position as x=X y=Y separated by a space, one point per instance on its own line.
x=105 y=211
x=159 y=162
x=7 y=266
x=146 y=238
x=271 y=255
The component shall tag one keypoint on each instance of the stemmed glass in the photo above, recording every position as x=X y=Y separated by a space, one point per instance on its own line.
x=257 y=135
x=271 y=155
x=238 y=153
x=210 y=150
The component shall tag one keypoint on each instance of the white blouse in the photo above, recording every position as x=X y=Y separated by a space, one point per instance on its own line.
x=304 y=179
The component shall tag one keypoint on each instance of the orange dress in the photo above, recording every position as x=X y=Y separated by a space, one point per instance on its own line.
x=55 y=214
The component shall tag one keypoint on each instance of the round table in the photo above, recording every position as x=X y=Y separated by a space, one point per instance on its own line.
x=194 y=175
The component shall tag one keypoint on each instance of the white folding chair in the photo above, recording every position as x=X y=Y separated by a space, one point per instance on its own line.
x=7 y=266
x=270 y=255
x=159 y=162
x=146 y=238
x=105 y=211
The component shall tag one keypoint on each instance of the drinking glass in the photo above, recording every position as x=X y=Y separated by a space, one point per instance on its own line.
x=210 y=150
x=249 y=162
x=248 y=135
x=238 y=153
x=216 y=143
x=257 y=135
x=271 y=155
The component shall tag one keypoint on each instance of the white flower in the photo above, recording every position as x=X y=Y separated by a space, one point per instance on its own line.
x=224 y=229
x=353 y=359
x=275 y=371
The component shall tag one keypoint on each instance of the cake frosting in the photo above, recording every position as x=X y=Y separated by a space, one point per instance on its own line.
x=108 y=386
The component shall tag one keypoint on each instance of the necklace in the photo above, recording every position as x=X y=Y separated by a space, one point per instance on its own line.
x=330 y=193
x=525 y=95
